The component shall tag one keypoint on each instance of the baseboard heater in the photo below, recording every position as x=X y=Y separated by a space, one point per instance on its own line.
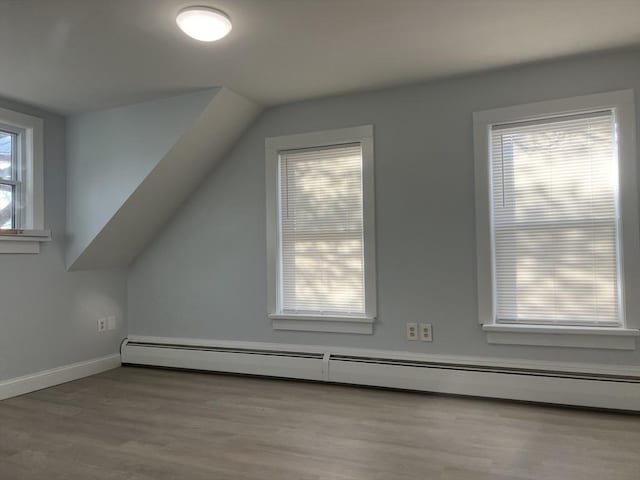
x=568 y=387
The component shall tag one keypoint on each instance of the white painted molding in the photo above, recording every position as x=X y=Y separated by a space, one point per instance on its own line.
x=32 y=129
x=554 y=336
x=48 y=378
x=27 y=241
x=528 y=380
x=302 y=323
x=24 y=235
x=19 y=247
x=623 y=105
x=273 y=147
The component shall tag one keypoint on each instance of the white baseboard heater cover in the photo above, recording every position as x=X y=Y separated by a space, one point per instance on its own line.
x=299 y=365
x=567 y=387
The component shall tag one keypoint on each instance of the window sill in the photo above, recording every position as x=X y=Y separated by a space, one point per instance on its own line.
x=23 y=241
x=551 y=336
x=309 y=323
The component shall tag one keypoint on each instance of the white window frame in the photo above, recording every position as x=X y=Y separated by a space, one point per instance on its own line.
x=623 y=337
x=17 y=149
x=30 y=232
x=337 y=324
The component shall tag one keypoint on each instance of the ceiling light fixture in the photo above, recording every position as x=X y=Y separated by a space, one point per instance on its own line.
x=204 y=23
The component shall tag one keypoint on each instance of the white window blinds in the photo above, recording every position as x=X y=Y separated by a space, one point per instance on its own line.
x=321 y=231
x=554 y=189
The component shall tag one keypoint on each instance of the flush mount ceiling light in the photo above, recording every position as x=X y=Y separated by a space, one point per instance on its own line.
x=204 y=23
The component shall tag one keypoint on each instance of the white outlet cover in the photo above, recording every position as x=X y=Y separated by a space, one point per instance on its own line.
x=412 y=331
x=111 y=323
x=426 y=332
x=102 y=324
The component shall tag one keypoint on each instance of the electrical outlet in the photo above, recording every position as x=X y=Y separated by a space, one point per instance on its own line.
x=412 y=331
x=111 y=322
x=102 y=325
x=426 y=332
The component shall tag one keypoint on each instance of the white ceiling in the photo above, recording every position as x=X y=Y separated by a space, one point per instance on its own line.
x=76 y=55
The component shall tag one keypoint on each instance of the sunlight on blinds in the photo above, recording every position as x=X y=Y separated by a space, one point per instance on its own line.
x=321 y=231
x=555 y=188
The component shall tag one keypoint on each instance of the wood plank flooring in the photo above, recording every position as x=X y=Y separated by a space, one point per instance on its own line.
x=143 y=424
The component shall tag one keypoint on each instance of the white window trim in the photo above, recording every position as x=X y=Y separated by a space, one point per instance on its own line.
x=27 y=239
x=622 y=102
x=363 y=325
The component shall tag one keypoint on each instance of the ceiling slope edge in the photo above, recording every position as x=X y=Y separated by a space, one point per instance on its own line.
x=160 y=194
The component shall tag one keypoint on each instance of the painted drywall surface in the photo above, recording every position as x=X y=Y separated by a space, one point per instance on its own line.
x=111 y=151
x=205 y=276
x=173 y=178
x=48 y=317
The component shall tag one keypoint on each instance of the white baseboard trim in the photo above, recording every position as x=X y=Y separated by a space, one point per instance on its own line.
x=601 y=386
x=55 y=376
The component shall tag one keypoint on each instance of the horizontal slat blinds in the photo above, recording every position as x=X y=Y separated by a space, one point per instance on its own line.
x=555 y=187
x=321 y=231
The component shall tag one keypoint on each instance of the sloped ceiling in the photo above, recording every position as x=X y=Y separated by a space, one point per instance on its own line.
x=79 y=55
x=130 y=169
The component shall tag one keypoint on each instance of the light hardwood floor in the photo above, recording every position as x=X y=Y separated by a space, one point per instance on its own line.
x=143 y=424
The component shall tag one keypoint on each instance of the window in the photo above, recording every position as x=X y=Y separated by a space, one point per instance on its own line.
x=10 y=179
x=553 y=207
x=555 y=218
x=321 y=234
x=320 y=217
x=21 y=183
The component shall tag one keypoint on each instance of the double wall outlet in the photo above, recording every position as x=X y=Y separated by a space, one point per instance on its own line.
x=412 y=331
x=106 y=323
x=102 y=325
x=422 y=331
x=426 y=332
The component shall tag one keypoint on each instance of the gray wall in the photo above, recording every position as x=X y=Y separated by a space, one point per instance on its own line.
x=205 y=276
x=110 y=152
x=48 y=316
